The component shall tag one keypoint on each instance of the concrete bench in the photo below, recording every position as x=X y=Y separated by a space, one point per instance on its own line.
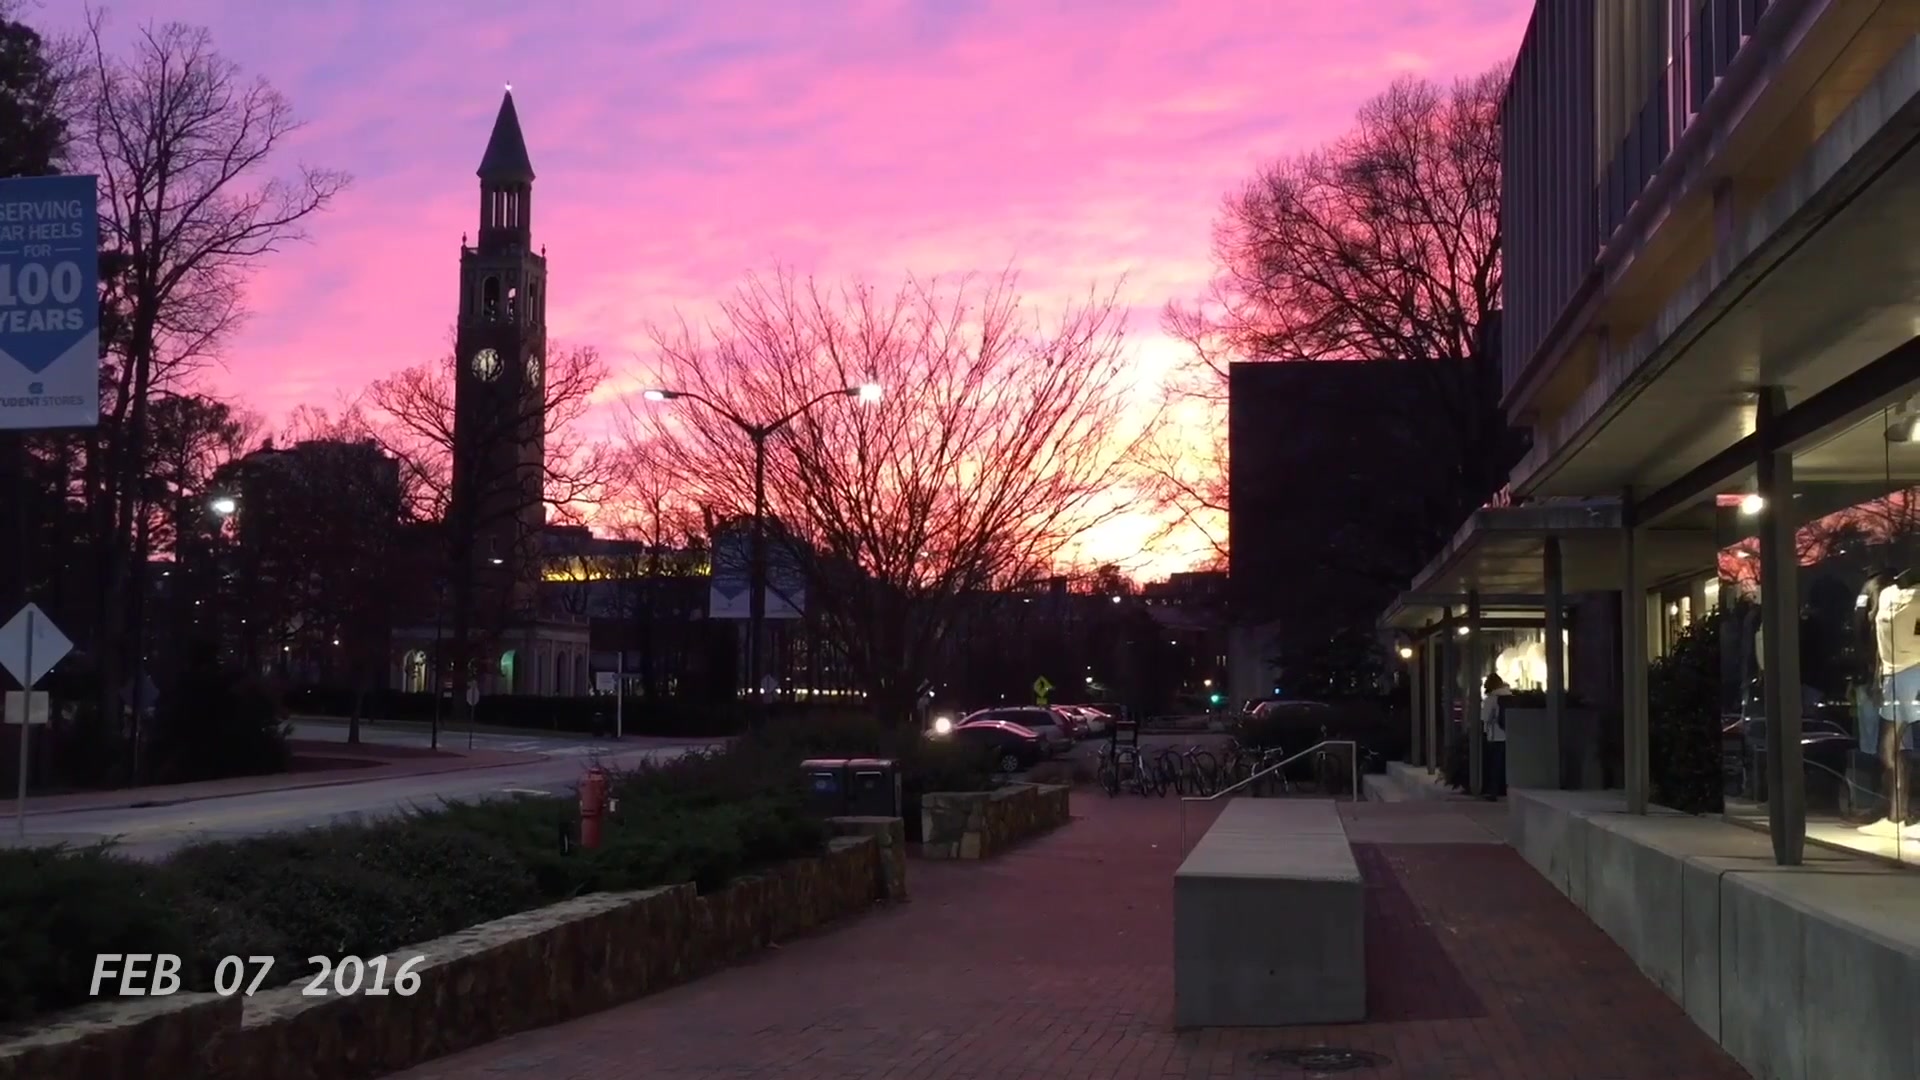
x=1268 y=912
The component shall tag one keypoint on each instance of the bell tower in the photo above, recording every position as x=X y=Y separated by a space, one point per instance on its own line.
x=499 y=351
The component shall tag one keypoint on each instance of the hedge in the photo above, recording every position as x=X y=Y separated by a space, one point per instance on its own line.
x=371 y=887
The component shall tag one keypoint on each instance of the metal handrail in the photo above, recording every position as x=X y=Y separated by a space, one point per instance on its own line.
x=1353 y=759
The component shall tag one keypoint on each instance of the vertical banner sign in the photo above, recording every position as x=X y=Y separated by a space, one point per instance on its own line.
x=49 y=303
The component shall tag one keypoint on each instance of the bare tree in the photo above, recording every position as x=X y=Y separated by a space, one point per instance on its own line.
x=1383 y=244
x=412 y=414
x=997 y=443
x=191 y=438
x=180 y=140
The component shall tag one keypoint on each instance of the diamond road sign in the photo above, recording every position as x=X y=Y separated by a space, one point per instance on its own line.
x=50 y=646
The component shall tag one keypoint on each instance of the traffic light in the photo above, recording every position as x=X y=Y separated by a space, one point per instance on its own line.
x=1214 y=698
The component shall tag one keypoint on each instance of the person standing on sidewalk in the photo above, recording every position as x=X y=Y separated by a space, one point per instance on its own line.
x=1493 y=722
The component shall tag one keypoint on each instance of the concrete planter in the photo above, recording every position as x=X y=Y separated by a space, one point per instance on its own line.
x=981 y=824
x=513 y=974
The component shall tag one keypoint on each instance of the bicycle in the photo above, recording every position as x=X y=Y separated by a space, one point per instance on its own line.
x=1169 y=768
x=1244 y=763
x=1125 y=767
x=1203 y=769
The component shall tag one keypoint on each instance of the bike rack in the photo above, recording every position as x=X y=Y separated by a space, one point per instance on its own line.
x=1353 y=759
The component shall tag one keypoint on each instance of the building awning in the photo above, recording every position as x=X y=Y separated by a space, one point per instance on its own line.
x=1499 y=553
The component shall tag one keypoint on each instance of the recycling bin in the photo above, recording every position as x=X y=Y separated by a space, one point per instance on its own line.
x=873 y=787
x=826 y=785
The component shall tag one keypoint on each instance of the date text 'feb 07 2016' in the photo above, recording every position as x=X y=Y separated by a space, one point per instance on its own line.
x=158 y=974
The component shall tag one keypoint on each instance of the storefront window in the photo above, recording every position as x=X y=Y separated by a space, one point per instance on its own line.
x=1519 y=656
x=1858 y=608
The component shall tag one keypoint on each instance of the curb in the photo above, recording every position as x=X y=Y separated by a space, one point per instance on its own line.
x=146 y=804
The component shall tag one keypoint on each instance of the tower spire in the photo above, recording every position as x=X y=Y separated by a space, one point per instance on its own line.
x=505 y=161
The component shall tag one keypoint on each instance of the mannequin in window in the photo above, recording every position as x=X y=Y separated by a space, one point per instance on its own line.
x=1895 y=619
x=1493 y=720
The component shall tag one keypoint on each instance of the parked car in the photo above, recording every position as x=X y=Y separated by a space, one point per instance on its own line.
x=1083 y=721
x=1009 y=746
x=1035 y=718
x=1092 y=720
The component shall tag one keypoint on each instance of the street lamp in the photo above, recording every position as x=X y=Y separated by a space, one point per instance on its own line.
x=223 y=505
x=866 y=393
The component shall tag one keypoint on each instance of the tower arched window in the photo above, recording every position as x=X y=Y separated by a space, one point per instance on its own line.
x=513 y=304
x=535 y=316
x=490 y=299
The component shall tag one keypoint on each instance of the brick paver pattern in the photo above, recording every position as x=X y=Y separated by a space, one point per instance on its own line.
x=1055 y=961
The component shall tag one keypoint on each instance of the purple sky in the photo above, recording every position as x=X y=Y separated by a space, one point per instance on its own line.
x=681 y=145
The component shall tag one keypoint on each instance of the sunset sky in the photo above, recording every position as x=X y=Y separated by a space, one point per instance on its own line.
x=681 y=145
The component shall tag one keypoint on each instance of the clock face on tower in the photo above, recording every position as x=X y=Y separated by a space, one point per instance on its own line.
x=533 y=369
x=486 y=365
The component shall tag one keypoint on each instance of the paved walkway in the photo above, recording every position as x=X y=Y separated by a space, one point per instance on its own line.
x=366 y=763
x=1055 y=961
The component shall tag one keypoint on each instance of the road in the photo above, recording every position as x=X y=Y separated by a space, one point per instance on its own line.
x=153 y=831
x=392 y=733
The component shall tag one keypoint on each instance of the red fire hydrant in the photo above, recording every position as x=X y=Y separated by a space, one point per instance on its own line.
x=593 y=805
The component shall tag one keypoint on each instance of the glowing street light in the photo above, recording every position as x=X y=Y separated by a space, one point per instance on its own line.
x=866 y=393
x=224 y=505
x=1406 y=652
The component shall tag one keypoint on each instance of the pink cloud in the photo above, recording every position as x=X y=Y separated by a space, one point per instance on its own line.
x=680 y=146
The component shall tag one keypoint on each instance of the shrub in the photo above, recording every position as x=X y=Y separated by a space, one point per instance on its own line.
x=370 y=888
x=361 y=889
x=59 y=907
x=1683 y=721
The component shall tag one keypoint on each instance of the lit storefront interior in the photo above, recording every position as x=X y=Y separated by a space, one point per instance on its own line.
x=1856 y=568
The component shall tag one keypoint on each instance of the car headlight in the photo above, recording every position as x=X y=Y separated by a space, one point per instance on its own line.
x=942 y=726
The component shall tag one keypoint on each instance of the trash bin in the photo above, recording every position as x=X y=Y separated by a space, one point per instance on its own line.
x=873 y=787
x=826 y=781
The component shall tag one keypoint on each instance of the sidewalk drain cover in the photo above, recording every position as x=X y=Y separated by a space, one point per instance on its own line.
x=1324 y=1059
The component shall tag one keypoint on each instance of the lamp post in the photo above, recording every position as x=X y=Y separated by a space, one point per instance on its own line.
x=758 y=434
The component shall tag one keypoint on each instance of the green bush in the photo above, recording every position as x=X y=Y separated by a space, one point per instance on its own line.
x=1683 y=721
x=370 y=888
x=59 y=907
x=362 y=889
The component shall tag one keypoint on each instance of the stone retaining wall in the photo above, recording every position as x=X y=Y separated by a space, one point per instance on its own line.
x=524 y=971
x=981 y=824
x=891 y=834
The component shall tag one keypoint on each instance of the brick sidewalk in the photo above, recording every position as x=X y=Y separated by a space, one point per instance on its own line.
x=1056 y=962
